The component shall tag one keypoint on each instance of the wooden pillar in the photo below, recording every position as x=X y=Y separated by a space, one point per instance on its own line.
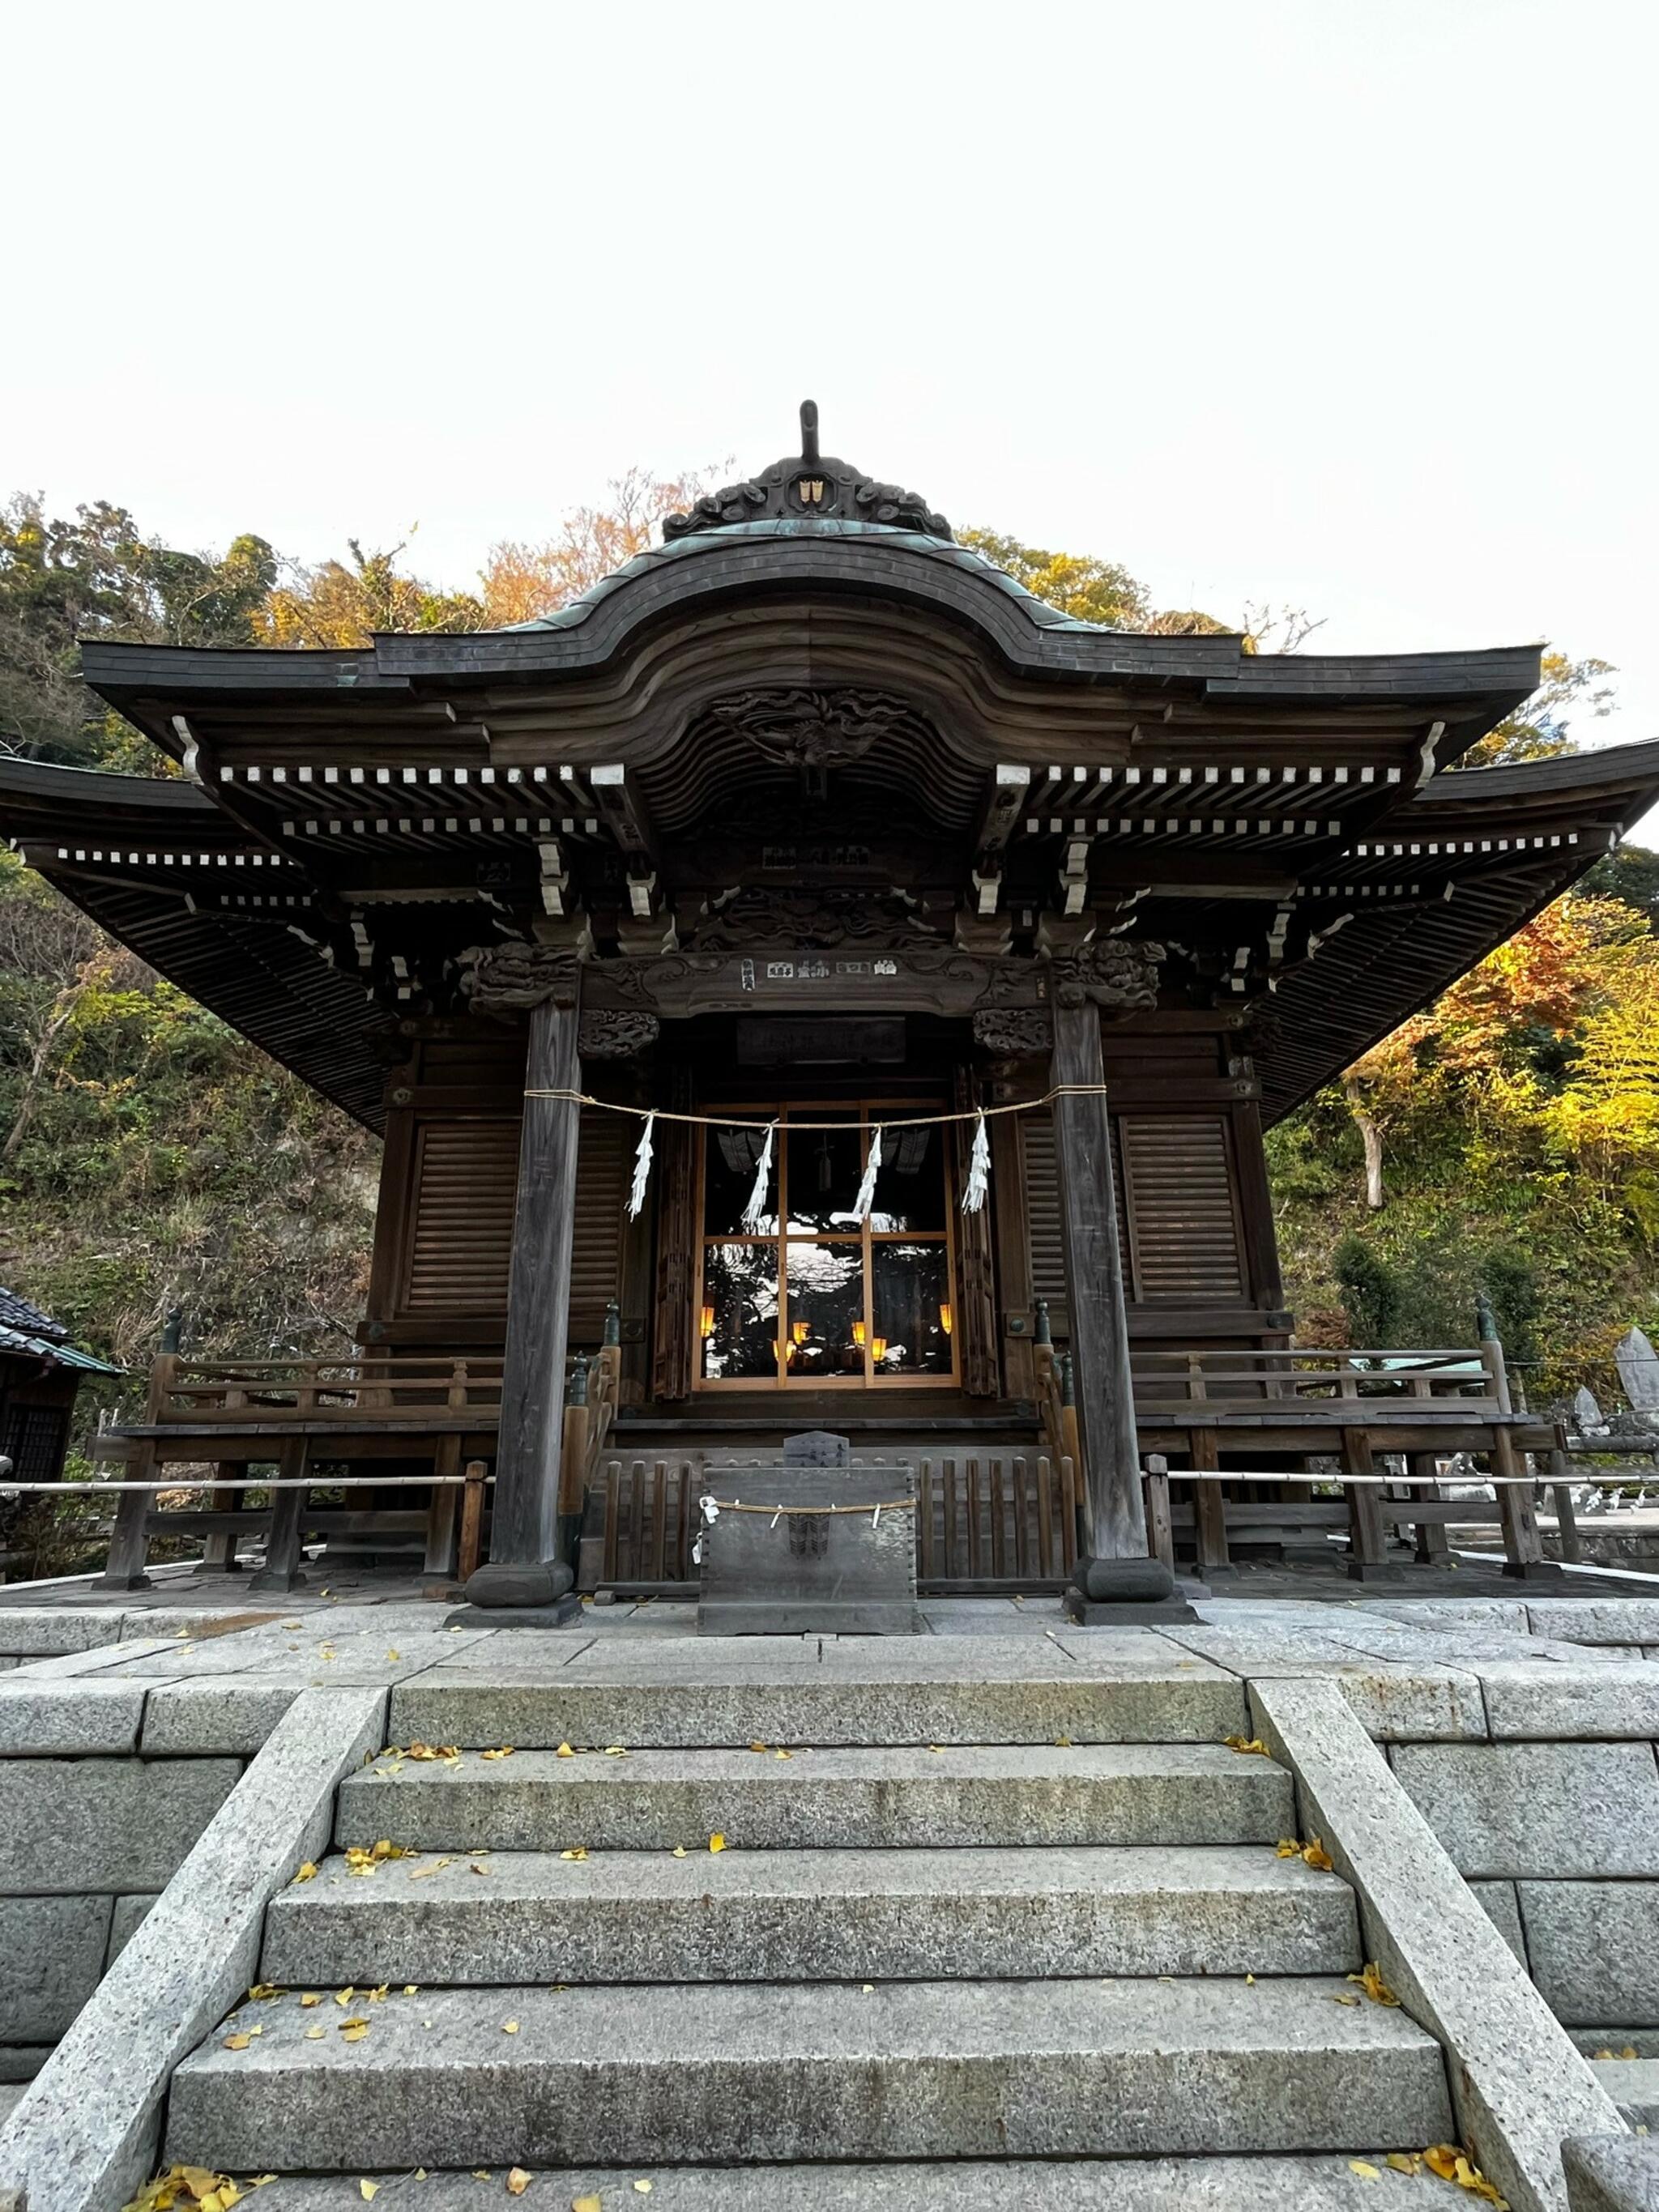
x=1368 y=1532
x=129 y=1542
x=1517 y=1515
x=281 y=1571
x=1115 y=1522
x=523 y=1568
x=219 y=1552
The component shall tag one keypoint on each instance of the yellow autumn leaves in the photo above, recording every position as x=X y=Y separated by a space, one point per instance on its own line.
x=1313 y=1853
x=1445 y=2160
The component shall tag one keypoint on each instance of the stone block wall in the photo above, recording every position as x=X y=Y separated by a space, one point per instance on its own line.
x=98 y=1810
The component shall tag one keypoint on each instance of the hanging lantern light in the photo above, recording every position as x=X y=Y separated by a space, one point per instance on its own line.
x=944 y=1317
x=706 y=1323
x=858 y=1334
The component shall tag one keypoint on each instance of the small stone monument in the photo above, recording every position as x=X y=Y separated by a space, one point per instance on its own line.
x=811 y=1544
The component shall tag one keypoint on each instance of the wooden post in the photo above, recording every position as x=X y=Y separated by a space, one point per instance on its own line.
x=438 y=1569
x=1367 y=1529
x=1566 y=1518
x=219 y=1552
x=281 y=1571
x=1517 y=1516
x=1433 y=1542
x=129 y=1543
x=1160 y=1534
x=1113 y=1518
x=1209 y=1509
x=472 y=1506
x=523 y=1568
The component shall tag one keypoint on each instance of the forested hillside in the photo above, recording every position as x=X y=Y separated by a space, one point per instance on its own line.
x=1507 y=1140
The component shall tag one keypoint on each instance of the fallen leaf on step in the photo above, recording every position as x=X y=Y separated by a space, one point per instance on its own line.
x=392 y=1656
x=1365 y=2169
x=1250 y=1743
x=307 y=1872
x=581 y=1852
x=378 y=1996
x=354 y=2031
x=936 y=1747
x=616 y=1751
x=420 y=1873
x=368 y=2191
x=564 y=1751
x=783 y=1754
x=1403 y=2162
x=517 y=2182
x=433 y=1751
x=1288 y=1848
x=1375 y=1987
x=501 y=1751
x=309 y=1999
x=1250 y=1981
x=759 y=1747
x=680 y=1851
x=412 y=1988
x=238 y=2042
x=261 y=1990
x=1345 y=2001
x=315 y=2034
x=586 y=2204
x=344 y=1996
x=1062 y=1743
x=643 y=2187
x=509 y=2027
x=1454 y=2165
x=717 y=1842
x=1629 y=2052
x=1315 y=1855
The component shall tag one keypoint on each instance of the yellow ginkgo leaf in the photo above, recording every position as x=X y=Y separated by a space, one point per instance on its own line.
x=564 y=1751
x=717 y=1842
x=758 y=1746
x=616 y=1751
x=680 y=1851
x=238 y=2042
x=579 y=1852
x=501 y=1751
x=261 y=1990
x=586 y=2204
x=315 y=2034
x=344 y=1996
x=1248 y=1743
x=517 y=2182
x=307 y=1872
x=1375 y=1987
x=1403 y=2162
x=783 y=1754
x=1062 y=1743
x=368 y=2191
x=509 y=2027
x=1365 y=2169
x=1314 y=1853
x=309 y=1999
x=1345 y=2001
x=412 y=1988
x=1288 y=1848
x=392 y=1655
x=643 y=2188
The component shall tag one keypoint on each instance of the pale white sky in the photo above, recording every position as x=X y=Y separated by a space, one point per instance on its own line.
x=1347 y=303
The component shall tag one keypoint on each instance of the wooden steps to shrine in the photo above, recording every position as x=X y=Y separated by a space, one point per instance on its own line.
x=1035 y=1927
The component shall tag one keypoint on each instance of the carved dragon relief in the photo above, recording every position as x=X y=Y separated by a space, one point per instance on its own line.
x=813 y=921
x=614 y=1032
x=498 y=979
x=799 y=728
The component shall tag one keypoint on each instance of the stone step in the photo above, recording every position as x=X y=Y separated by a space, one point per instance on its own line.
x=904 y=1691
x=812 y=1915
x=1184 y=2184
x=910 y=1797
x=722 y=2074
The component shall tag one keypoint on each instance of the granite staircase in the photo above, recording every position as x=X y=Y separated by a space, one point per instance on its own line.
x=940 y=1959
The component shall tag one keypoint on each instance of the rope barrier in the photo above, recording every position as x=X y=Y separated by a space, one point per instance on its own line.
x=887 y=1122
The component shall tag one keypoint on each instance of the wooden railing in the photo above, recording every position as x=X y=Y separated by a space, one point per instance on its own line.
x=367 y=1387
x=1462 y=1380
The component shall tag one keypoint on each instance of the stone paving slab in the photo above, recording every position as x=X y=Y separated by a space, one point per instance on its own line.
x=43 y=1630
x=221 y=1715
x=1539 y=1810
x=1402 y=1700
x=910 y=2070
x=1592 y=1620
x=823 y=1705
x=69 y=1719
x=1633 y=2086
x=51 y=1954
x=1176 y=2184
x=875 y=1915
x=1610 y=1700
x=74 y=1826
x=910 y=1797
x=1595 y=1948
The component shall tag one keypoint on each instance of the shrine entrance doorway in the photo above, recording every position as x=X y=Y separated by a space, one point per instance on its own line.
x=812 y=1297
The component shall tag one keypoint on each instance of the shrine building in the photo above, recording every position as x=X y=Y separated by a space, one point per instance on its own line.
x=807 y=824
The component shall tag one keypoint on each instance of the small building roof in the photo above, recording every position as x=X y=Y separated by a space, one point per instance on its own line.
x=27 y=1333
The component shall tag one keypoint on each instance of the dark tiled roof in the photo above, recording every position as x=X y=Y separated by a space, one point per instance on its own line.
x=17 y=1313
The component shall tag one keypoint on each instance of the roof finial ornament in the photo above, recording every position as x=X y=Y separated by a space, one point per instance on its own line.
x=813 y=487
